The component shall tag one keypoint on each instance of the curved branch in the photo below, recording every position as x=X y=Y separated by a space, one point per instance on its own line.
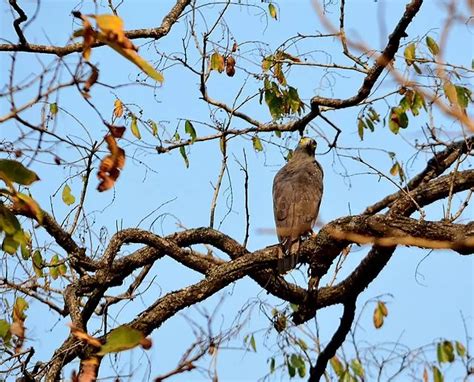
x=156 y=33
x=317 y=371
x=382 y=61
x=439 y=163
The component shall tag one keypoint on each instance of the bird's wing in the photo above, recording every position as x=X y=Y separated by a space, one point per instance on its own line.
x=296 y=197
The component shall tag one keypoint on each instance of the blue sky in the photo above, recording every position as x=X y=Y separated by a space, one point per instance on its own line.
x=429 y=292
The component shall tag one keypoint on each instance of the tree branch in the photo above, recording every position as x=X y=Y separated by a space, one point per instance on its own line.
x=382 y=61
x=156 y=33
x=337 y=339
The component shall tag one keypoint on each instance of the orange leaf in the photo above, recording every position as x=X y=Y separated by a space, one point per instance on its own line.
x=110 y=166
x=83 y=336
x=131 y=55
x=92 y=79
x=118 y=108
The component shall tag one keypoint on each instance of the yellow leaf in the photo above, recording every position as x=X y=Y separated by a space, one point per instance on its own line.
x=68 y=197
x=109 y=23
x=132 y=56
x=450 y=93
x=217 y=62
x=395 y=168
x=273 y=11
x=134 y=128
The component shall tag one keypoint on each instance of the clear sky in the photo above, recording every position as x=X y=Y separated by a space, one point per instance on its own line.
x=427 y=294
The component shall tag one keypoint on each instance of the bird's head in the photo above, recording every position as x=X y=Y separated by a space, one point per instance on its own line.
x=307 y=146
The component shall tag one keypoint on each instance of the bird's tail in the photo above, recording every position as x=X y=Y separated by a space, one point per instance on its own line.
x=288 y=256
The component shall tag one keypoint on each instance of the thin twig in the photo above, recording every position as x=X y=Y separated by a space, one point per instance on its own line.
x=219 y=181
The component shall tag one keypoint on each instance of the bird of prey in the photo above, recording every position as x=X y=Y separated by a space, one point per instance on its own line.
x=297 y=194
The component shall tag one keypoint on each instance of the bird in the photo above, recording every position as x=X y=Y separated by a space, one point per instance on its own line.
x=297 y=194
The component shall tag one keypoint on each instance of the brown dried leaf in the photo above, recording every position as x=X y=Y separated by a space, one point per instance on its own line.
x=116 y=131
x=110 y=166
x=92 y=79
x=89 y=36
x=230 y=66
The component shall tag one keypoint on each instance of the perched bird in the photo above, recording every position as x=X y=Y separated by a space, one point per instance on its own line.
x=297 y=194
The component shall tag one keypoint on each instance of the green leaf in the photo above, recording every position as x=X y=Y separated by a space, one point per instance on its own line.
x=403 y=120
x=360 y=128
x=53 y=108
x=182 y=151
x=432 y=45
x=134 y=127
x=272 y=365
x=463 y=96
x=302 y=371
x=8 y=221
x=409 y=54
x=373 y=115
x=253 y=344
x=357 y=368
x=10 y=245
x=4 y=329
x=62 y=269
x=370 y=124
x=417 y=68
x=460 y=349
x=14 y=171
x=37 y=263
x=272 y=11
x=154 y=127
x=25 y=250
x=257 y=143
x=398 y=119
x=121 y=338
x=346 y=377
x=437 y=375
x=54 y=270
x=274 y=103
x=291 y=370
x=297 y=361
x=68 y=197
x=189 y=129
x=445 y=352
x=337 y=366
x=417 y=102
x=19 y=308
x=217 y=62
x=294 y=101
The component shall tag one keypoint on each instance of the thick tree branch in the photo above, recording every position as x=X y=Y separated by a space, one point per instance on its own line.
x=156 y=33
x=439 y=163
x=321 y=251
x=317 y=371
x=382 y=61
x=76 y=255
x=16 y=24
